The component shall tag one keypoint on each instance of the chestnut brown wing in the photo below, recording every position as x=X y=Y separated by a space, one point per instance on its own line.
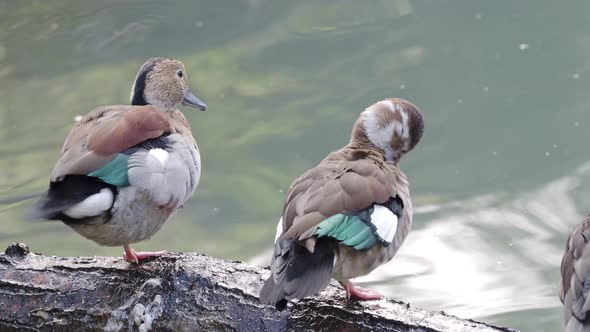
x=103 y=133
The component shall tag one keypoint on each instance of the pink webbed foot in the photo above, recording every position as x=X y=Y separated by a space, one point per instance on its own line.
x=132 y=256
x=360 y=293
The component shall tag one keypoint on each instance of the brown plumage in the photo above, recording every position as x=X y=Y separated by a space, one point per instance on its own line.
x=575 y=279
x=125 y=169
x=351 y=181
x=104 y=132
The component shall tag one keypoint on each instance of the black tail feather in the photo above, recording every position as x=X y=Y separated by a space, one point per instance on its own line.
x=297 y=273
x=66 y=193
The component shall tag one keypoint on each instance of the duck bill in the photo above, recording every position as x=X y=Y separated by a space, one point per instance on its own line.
x=191 y=100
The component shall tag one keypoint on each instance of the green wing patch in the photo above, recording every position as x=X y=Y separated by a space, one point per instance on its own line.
x=349 y=230
x=115 y=172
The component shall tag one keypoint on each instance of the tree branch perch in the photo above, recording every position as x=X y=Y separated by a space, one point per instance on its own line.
x=182 y=292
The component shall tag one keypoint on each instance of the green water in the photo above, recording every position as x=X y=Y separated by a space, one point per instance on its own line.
x=498 y=180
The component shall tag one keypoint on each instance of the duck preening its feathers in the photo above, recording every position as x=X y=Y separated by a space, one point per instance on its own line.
x=300 y=273
x=349 y=214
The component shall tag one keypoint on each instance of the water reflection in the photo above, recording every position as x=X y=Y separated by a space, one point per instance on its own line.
x=489 y=255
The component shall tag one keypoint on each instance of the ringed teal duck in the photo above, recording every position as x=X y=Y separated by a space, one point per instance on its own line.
x=126 y=169
x=349 y=214
x=575 y=279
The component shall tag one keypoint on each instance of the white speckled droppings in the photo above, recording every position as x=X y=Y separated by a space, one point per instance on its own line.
x=41 y=313
x=152 y=282
x=115 y=322
x=137 y=313
x=150 y=313
x=142 y=315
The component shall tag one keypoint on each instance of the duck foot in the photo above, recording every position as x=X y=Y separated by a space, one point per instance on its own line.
x=360 y=293
x=132 y=256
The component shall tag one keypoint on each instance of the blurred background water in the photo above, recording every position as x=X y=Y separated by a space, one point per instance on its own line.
x=499 y=179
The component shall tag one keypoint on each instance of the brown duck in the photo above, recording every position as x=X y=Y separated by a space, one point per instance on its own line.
x=575 y=279
x=351 y=213
x=125 y=169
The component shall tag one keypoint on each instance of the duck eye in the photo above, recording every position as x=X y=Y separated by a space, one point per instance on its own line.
x=179 y=73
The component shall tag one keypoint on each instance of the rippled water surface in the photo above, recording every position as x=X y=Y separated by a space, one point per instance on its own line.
x=499 y=179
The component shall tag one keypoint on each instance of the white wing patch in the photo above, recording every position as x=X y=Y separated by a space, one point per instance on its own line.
x=385 y=222
x=92 y=206
x=161 y=155
x=279 y=229
x=168 y=176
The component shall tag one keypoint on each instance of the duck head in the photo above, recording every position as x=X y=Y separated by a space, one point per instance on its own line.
x=393 y=126
x=163 y=82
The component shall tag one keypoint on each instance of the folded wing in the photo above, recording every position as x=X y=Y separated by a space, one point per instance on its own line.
x=348 y=199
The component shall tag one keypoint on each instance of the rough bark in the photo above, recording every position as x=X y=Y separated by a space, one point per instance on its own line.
x=182 y=292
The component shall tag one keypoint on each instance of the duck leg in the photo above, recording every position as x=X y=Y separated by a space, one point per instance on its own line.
x=132 y=256
x=360 y=293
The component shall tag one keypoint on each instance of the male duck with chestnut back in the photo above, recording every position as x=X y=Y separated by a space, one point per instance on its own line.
x=125 y=169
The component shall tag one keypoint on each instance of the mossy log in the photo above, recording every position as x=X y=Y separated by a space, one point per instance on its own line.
x=182 y=292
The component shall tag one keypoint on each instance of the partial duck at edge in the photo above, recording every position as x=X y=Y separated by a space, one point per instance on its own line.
x=575 y=279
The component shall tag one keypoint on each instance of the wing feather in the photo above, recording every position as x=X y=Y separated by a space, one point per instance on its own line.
x=103 y=133
x=346 y=181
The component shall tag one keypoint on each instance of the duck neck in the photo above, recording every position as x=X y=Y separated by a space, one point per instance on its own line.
x=366 y=150
x=360 y=141
x=138 y=90
x=138 y=96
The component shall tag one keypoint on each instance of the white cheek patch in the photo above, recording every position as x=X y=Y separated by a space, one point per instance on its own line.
x=385 y=222
x=381 y=136
x=279 y=229
x=161 y=155
x=406 y=129
x=378 y=135
x=92 y=206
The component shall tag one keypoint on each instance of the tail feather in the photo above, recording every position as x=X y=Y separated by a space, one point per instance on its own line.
x=297 y=273
x=66 y=193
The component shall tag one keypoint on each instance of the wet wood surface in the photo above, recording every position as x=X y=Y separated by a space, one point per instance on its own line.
x=182 y=292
